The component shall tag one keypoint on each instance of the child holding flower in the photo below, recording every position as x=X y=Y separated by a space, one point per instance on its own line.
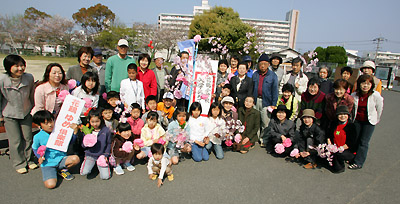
x=178 y=133
x=152 y=132
x=217 y=134
x=122 y=148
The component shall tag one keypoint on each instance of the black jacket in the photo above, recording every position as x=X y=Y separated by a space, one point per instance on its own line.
x=314 y=132
x=245 y=89
x=351 y=135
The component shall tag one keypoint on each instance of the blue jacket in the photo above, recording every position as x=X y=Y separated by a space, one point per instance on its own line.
x=269 y=88
x=102 y=146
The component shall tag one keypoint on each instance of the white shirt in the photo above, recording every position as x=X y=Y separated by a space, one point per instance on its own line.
x=132 y=92
x=198 y=128
x=216 y=126
x=164 y=163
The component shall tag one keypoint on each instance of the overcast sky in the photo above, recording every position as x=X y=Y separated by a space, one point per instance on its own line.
x=349 y=23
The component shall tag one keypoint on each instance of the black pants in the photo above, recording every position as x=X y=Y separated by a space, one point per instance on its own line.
x=339 y=159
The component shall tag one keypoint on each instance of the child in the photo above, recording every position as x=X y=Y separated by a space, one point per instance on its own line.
x=178 y=127
x=216 y=127
x=113 y=100
x=166 y=106
x=310 y=135
x=152 y=132
x=135 y=121
x=88 y=90
x=110 y=122
x=346 y=73
x=101 y=149
x=251 y=118
x=151 y=105
x=226 y=91
x=198 y=133
x=159 y=165
x=281 y=129
x=343 y=134
x=16 y=102
x=287 y=99
x=326 y=84
x=131 y=90
x=124 y=134
x=242 y=85
x=52 y=160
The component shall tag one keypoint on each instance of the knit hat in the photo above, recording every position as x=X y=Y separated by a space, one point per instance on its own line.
x=342 y=110
x=368 y=64
x=281 y=108
x=263 y=57
x=275 y=56
x=246 y=58
x=308 y=113
x=227 y=99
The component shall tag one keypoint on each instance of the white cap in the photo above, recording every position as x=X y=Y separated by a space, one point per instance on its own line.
x=368 y=64
x=158 y=55
x=123 y=42
x=168 y=95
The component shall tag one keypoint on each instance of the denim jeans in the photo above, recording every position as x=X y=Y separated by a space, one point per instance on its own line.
x=364 y=132
x=219 y=153
x=88 y=165
x=199 y=153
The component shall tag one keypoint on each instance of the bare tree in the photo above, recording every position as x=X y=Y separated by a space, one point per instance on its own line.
x=167 y=39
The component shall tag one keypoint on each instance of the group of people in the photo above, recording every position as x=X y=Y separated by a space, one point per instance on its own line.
x=133 y=114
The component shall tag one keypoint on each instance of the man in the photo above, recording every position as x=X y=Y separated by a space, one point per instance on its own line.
x=116 y=67
x=265 y=91
x=100 y=66
x=275 y=61
x=175 y=71
x=296 y=78
x=160 y=71
x=76 y=72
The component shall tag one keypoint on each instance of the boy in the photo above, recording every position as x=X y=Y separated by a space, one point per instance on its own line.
x=159 y=165
x=226 y=91
x=52 y=160
x=131 y=90
x=107 y=114
x=287 y=99
x=250 y=117
x=151 y=105
x=296 y=78
x=114 y=100
x=166 y=106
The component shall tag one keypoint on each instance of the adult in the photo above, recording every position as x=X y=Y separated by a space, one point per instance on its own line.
x=265 y=90
x=296 y=78
x=326 y=84
x=100 y=66
x=222 y=75
x=368 y=68
x=173 y=85
x=276 y=60
x=339 y=97
x=46 y=93
x=368 y=106
x=146 y=76
x=160 y=71
x=313 y=99
x=76 y=72
x=242 y=85
x=249 y=72
x=234 y=63
x=116 y=67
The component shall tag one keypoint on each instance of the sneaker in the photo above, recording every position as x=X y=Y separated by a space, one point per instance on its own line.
x=171 y=177
x=310 y=166
x=22 y=171
x=32 y=166
x=66 y=175
x=129 y=166
x=118 y=170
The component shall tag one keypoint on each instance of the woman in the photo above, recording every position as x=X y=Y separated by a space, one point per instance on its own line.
x=242 y=85
x=46 y=93
x=337 y=98
x=147 y=76
x=313 y=99
x=368 y=106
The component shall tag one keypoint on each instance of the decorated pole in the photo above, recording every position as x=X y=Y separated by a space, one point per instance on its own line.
x=197 y=39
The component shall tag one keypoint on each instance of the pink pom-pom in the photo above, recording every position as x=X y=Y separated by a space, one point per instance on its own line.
x=287 y=142
x=71 y=84
x=294 y=152
x=238 y=137
x=279 y=148
x=127 y=147
x=89 y=140
x=204 y=96
x=104 y=95
x=63 y=94
x=138 y=142
x=161 y=141
x=112 y=161
x=101 y=161
x=41 y=150
x=228 y=143
x=150 y=154
x=88 y=102
x=197 y=38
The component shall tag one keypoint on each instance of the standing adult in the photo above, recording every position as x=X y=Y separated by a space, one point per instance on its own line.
x=100 y=66
x=76 y=72
x=276 y=61
x=265 y=90
x=296 y=78
x=46 y=93
x=247 y=59
x=160 y=71
x=116 y=67
x=368 y=68
x=175 y=71
x=242 y=85
x=146 y=76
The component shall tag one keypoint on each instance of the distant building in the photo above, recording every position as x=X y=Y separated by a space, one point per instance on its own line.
x=384 y=58
x=353 y=60
x=275 y=35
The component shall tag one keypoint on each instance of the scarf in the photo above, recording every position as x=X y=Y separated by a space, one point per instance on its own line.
x=340 y=135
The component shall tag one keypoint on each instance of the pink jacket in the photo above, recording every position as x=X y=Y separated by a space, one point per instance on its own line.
x=45 y=97
x=136 y=125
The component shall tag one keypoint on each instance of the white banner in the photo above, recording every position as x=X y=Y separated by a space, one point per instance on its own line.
x=70 y=111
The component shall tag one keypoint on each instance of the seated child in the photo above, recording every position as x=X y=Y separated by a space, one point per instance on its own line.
x=166 y=106
x=152 y=132
x=178 y=128
x=198 y=133
x=131 y=90
x=98 y=152
x=159 y=165
x=151 y=105
x=287 y=99
x=53 y=160
x=346 y=73
x=326 y=84
x=281 y=129
x=344 y=135
x=310 y=135
x=135 y=121
x=217 y=130
x=114 y=100
x=250 y=118
x=110 y=122
x=122 y=155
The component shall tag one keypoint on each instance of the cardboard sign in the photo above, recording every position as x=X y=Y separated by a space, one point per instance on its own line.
x=70 y=111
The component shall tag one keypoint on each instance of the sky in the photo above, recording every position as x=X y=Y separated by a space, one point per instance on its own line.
x=349 y=23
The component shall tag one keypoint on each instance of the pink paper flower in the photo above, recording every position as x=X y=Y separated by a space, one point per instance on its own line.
x=204 y=96
x=104 y=95
x=230 y=75
x=101 y=161
x=332 y=148
x=63 y=94
x=178 y=94
x=71 y=84
x=127 y=147
x=294 y=152
x=238 y=137
x=161 y=141
x=88 y=102
x=228 y=143
x=234 y=109
x=287 y=142
x=138 y=142
x=41 y=150
x=279 y=148
x=197 y=38
x=89 y=140
x=150 y=154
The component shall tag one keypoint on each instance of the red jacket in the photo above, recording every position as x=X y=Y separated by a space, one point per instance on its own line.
x=148 y=78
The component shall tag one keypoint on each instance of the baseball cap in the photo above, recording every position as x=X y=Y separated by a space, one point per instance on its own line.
x=123 y=42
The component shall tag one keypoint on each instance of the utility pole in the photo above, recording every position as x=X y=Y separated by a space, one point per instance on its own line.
x=378 y=42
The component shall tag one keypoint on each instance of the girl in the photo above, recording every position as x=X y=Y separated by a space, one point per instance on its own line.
x=326 y=85
x=46 y=93
x=152 y=132
x=216 y=127
x=124 y=134
x=101 y=147
x=147 y=75
x=16 y=100
x=281 y=128
x=198 y=133
x=131 y=90
x=88 y=90
x=368 y=106
x=178 y=126
x=242 y=85
x=159 y=165
x=135 y=121
x=251 y=118
x=314 y=99
x=287 y=98
x=337 y=98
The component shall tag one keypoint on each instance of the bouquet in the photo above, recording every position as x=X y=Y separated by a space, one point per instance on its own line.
x=327 y=151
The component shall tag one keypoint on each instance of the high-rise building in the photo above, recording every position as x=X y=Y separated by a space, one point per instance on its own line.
x=274 y=34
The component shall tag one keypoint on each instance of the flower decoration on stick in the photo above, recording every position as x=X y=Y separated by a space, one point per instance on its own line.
x=139 y=142
x=287 y=142
x=294 y=152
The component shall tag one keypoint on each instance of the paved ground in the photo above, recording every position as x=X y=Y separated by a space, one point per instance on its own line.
x=252 y=178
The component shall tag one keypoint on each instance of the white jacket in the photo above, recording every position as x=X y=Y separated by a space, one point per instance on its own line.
x=374 y=106
x=128 y=95
x=301 y=79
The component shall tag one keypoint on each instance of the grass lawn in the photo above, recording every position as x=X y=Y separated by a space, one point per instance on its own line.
x=69 y=60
